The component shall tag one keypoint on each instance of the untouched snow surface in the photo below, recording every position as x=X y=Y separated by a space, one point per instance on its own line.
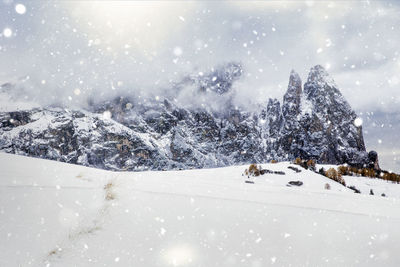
x=56 y=214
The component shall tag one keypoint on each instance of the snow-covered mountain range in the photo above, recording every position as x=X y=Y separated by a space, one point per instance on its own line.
x=313 y=122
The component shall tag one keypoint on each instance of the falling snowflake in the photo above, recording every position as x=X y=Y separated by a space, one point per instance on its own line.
x=163 y=231
x=77 y=91
x=327 y=66
x=328 y=42
x=7 y=32
x=107 y=115
x=178 y=51
x=20 y=9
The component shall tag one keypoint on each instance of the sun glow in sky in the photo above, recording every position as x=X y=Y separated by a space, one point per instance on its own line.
x=143 y=25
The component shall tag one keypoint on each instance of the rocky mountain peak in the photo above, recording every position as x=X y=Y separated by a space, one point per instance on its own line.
x=294 y=82
x=219 y=79
x=292 y=97
x=322 y=91
x=324 y=129
x=317 y=73
x=319 y=82
x=274 y=117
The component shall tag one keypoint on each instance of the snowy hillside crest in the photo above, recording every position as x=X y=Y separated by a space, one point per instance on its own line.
x=313 y=122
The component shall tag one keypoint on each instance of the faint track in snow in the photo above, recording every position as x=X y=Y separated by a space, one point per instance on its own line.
x=40 y=187
x=86 y=227
x=262 y=203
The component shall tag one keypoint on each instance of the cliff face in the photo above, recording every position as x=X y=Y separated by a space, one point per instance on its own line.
x=315 y=122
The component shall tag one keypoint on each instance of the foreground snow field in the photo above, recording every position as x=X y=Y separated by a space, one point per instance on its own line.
x=56 y=214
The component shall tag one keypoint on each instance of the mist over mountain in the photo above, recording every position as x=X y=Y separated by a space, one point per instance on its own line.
x=106 y=49
x=314 y=121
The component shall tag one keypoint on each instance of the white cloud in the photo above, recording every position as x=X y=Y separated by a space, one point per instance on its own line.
x=136 y=42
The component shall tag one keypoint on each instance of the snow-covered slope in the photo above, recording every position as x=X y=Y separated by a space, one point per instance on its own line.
x=56 y=214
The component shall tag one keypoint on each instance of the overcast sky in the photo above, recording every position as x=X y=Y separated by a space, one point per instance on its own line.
x=107 y=47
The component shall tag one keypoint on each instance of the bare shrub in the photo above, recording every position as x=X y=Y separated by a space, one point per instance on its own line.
x=109 y=194
x=254 y=170
x=311 y=164
x=335 y=176
x=344 y=170
x=298 y=161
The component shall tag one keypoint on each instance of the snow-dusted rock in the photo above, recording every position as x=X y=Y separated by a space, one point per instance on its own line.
x=125 y=134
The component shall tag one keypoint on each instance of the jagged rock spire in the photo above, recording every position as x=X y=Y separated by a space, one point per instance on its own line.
x=319 y=78
x=330 y=127
x=274 y=117
x=322 y=91
x=317 y=73
x=294 y=82
x=292 y=97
